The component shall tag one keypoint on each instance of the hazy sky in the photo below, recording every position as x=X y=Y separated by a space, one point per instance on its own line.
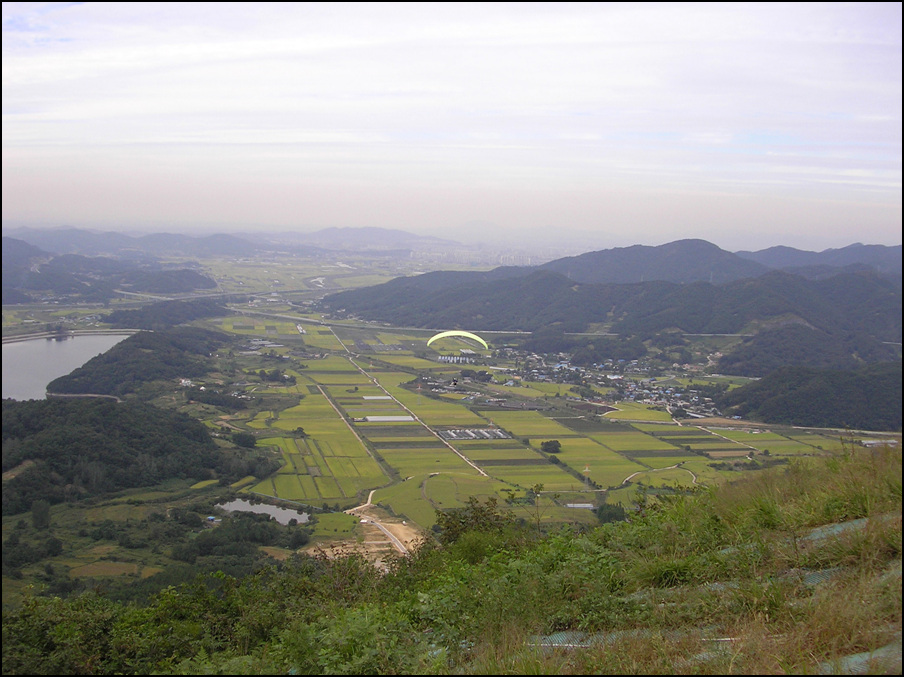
x=749 y=125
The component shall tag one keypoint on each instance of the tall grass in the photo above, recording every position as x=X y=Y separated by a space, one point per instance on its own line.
x=731 y=580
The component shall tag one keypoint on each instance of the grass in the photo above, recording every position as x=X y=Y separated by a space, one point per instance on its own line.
x=528 y=424
x=629 y=411
x=741 y=564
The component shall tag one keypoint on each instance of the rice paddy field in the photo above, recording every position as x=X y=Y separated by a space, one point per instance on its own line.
x=347 y=408
x=528 y=424
x=318 y=338
x=331 y=465
x=487 y=454
x=632 y=441
x=601 y=465
x=663 y=461
x=630 y=411
x=353 y=424
x=435 y=412
x=552 y=477
x=415 y=461
x=671 y=477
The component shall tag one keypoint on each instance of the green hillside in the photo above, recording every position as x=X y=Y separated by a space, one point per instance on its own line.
x=60 y=450
x=866 y=399
x=795 y=571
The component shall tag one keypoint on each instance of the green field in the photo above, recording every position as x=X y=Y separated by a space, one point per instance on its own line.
x=629 y=411
x=662 y=427
x=672 y=477
x=336 y=392
x=346 y=378
x=407 y=500
x=419 y=497
x=632 y=442
x=528 y=424
x=435 y=412
x=603 y=466
x=330 y=464
x=322 y=339
x=751 y=437
x=411 y=362
x=489 y=454
x=425 y=460
x=663 y=461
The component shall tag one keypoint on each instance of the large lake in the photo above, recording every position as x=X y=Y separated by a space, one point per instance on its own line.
x=28 y=366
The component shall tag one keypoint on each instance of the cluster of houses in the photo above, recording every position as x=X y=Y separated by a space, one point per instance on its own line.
x=622 y=380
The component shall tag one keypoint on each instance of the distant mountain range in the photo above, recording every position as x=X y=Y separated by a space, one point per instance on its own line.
x=682 y=261
x=357 y=239
x=30 y=273
x=837 y=321
x=685 y=261
x=884 y=259
x=88 y=243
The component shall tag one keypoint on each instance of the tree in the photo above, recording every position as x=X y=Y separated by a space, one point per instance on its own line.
x=532 y=503
x=551 y=446
x=40 y=514
x=475 y=516
x=244 y=440
x=611 y=513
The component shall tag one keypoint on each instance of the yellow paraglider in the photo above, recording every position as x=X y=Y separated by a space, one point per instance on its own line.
x=457 y=332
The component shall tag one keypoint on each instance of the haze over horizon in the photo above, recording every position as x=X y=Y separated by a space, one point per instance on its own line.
x=747 y=125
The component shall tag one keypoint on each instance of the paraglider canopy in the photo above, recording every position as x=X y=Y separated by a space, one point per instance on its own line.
x=458 y=332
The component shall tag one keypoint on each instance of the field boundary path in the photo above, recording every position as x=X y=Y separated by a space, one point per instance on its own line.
x=415 y=417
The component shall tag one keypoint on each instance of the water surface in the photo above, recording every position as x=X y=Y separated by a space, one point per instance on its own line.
x=28 y=366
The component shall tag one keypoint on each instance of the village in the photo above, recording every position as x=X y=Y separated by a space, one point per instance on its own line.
x=593 y=388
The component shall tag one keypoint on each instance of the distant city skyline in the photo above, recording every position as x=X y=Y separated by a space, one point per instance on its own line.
x=747 y=125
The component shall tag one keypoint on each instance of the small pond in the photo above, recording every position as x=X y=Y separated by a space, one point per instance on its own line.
x=281 y=515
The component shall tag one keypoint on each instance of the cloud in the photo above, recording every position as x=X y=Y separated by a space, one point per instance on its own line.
x=537 y=101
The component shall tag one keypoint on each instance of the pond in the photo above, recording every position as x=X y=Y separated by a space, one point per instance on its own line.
x=281 y=515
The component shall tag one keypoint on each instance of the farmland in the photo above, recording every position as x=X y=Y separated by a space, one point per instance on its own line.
x=365 y=408
x=375 y=408
x=366 y=416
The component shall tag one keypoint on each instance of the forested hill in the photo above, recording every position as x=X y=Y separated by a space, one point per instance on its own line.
x=866 y=399
x=681 y=261
x=166 y=314
x=139 y=359
x=63 y=450
x=860 y=302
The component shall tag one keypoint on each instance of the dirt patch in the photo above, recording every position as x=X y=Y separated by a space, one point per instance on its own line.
x=280 y=554
x=18 y=470
x=370 y=540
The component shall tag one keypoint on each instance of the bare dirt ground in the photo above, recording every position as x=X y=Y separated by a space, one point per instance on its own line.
x=379 y=537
